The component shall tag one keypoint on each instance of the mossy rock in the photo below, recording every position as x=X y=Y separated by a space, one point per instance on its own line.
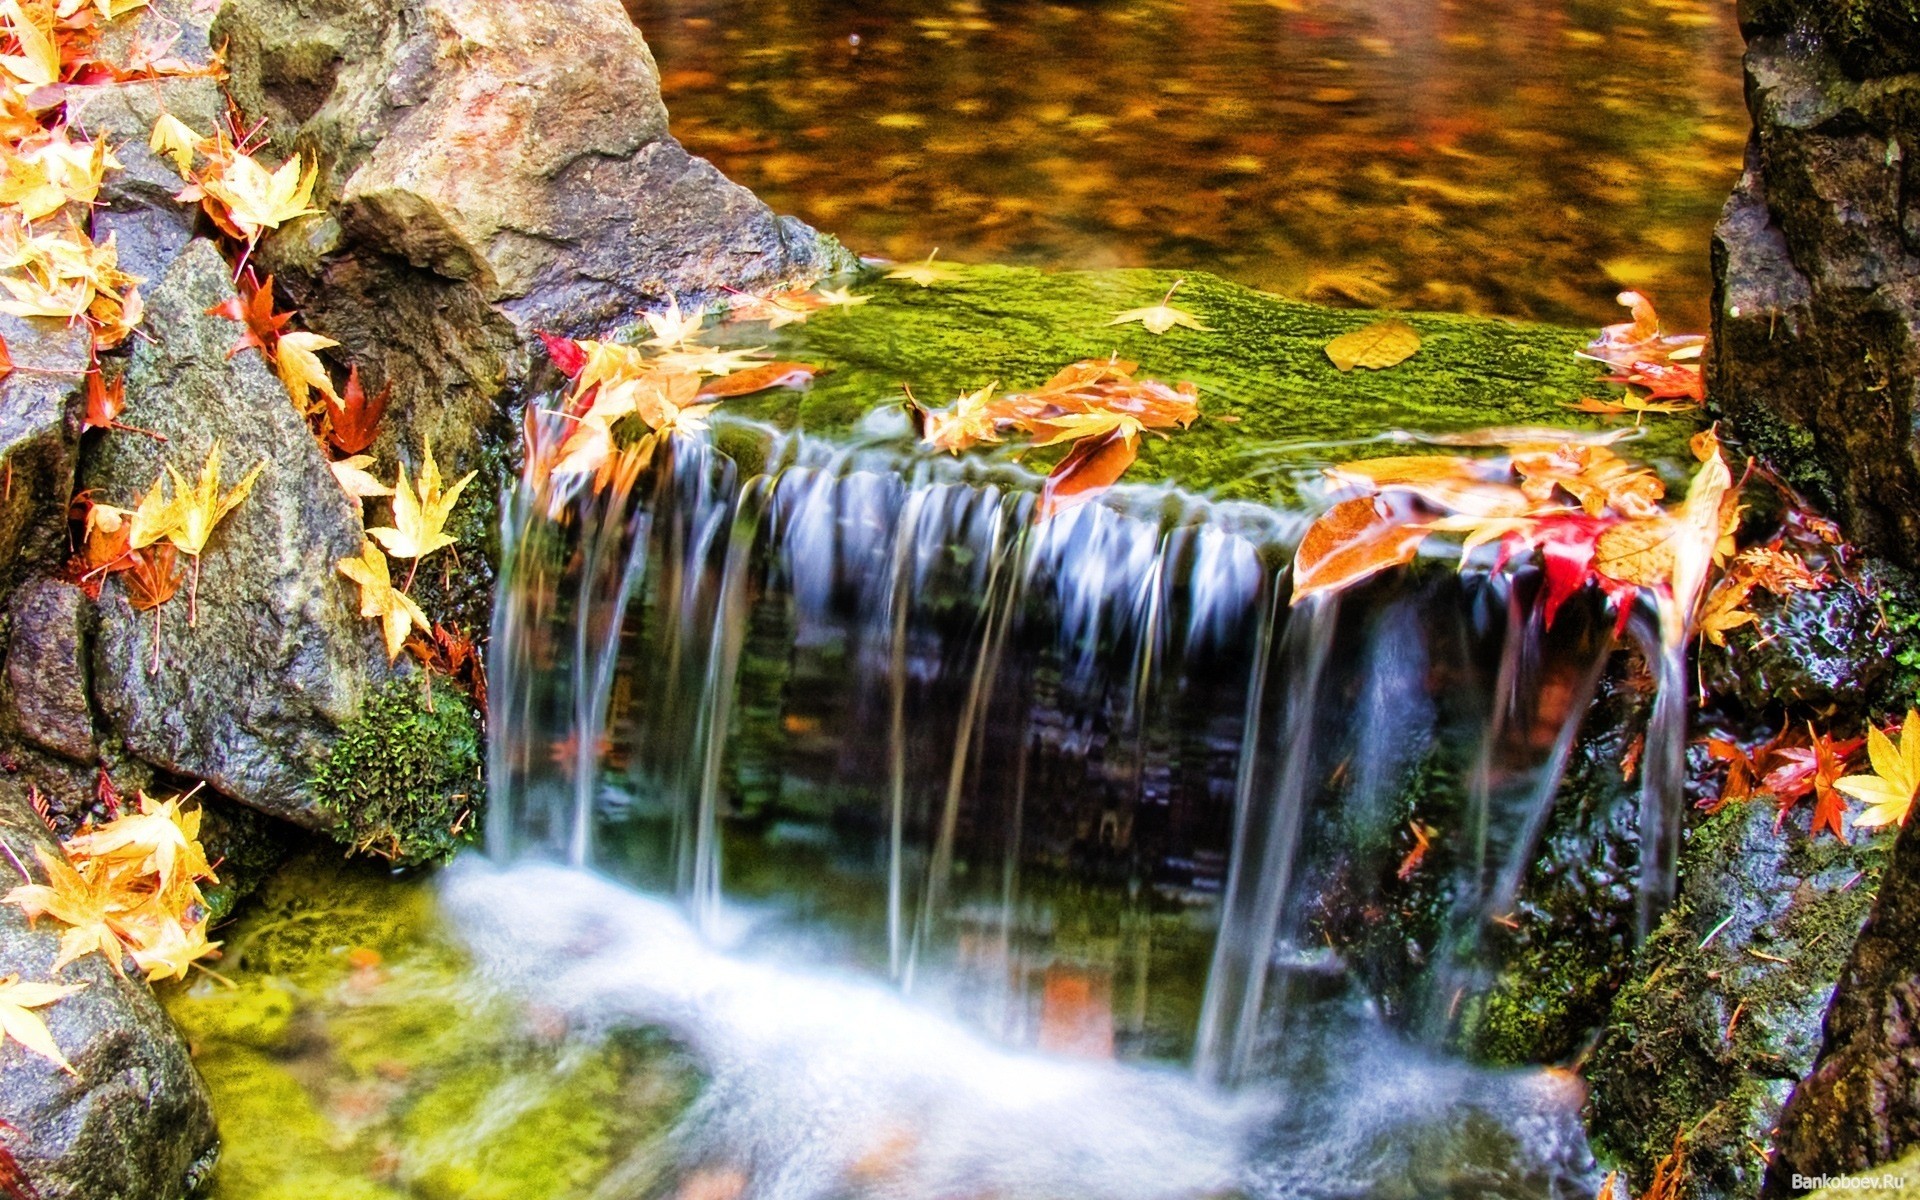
x=354 y=1057
x=1722 y=1012
x=1274 y=406
x=403 y=780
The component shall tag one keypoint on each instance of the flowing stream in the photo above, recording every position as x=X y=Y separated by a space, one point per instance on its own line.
x=969 y=854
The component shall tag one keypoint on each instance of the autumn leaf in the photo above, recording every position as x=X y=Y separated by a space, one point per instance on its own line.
x=1888 y=792
x=105 y=401
x=353 y=418
x=82 y=904
x=379 y=599
x=355 y=480
x=43 y=174
x=759 y=379
x=1096 y=462
x=1374 y=347
x=301 y=370
x=163 y=945
x=420 y=515
x=841 y=297
x=1742 y=774
x=253 y=307
x=565 y=353
x=1664 y=381
x=698 y=361
x=201 y=506
x=1158 y=318
x=1351 y=541
x=926 y=273
x=174 y=139
x=162 y=839
x=673 y=328
x=19 y=1022
x=1422 y=843
x=152 y=577
x=1641 y=339
x=13 y=1180
x=255 y=199
x=787 y=307
x=37 y=62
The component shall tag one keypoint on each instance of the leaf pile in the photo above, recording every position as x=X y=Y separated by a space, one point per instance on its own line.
x=1800 y=763
x=1095 y=405
x=129 y=889
x=1664 y=368
x=1589 y=515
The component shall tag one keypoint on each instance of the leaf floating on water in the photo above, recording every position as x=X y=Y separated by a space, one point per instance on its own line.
x=1351 y=541
x=1093 y=465
x=1375 y=347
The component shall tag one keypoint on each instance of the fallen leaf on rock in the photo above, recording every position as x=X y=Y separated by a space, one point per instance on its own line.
x=673 y=328
x=420 y=513
x=353 y=417
x=1889 y=790
x=301 y=370
x=380 y=600
x=926 y=273
x=20 y=1023
x=1374 y=347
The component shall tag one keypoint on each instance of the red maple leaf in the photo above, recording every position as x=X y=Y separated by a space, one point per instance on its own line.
x=253 y=307
x=353 y=420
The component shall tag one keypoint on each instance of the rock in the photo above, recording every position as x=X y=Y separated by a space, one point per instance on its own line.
x=250 y=698
x=1721 y=1013
x=136 y=1124
x=39 y=433
x=1816 y=342
x=488 y=169
x=521 y=148
x=136 y=205
x=1859 y=1107
x=46 y=670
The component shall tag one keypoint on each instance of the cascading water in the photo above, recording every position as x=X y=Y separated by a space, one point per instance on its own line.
x=898 y=784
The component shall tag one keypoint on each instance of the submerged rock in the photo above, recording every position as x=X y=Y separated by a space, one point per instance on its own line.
x=251 y=697
x=135 y=1124
x=1859 y=1108
x=1816 y=346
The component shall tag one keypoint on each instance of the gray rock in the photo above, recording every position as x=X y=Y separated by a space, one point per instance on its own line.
x=136 y=205
x=1859 y=1107
x=250 y=698
x=47 y=668
x=136 y=1124
x=39 y=435
x=1816 y=347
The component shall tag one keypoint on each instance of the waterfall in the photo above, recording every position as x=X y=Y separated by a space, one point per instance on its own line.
x=1085 y=782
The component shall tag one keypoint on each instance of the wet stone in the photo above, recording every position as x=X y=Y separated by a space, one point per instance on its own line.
x=46 y=668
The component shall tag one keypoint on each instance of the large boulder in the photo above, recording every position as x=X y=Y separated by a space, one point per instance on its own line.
x=487 y=170
x=251 y=696
x=134 y=1123
x=1859 y=1108
x=1816 y=347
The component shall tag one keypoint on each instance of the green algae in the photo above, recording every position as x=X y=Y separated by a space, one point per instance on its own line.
x=1274 y=407
x=354 y=1058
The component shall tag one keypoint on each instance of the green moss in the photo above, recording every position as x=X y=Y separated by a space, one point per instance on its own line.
x=1261 y=365
x=404 y=775
x=1723 y=1009
x=355 y=1057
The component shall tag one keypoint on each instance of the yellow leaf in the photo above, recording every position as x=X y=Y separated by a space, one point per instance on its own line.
x=672 y=327
x=301 y=369
x=256 y=199
x=41 y=175
x=154 y=517
x=160 y=839
x=842 y=297
x=708 y=362
x=379 y=599
x=176 y=139
x=1074 y=426
x=355 y=480
x=1351 y=541
x=1889 y=791
x=926 y=274
x=201 y=506
x=419 y=517
x=38 y=63
x=17 y=999
x=1375 y=347
x=81 y=903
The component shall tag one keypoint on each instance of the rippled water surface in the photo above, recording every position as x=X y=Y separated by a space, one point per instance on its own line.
x=1519 y=157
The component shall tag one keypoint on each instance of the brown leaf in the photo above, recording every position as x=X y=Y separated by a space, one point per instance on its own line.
x=1351 y=541
x=152 y=578
x=1375 y=347
x=1093 y=465
x=759 y=379
x=353 y=419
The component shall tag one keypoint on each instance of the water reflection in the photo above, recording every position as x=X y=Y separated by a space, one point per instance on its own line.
x=1519 y=157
